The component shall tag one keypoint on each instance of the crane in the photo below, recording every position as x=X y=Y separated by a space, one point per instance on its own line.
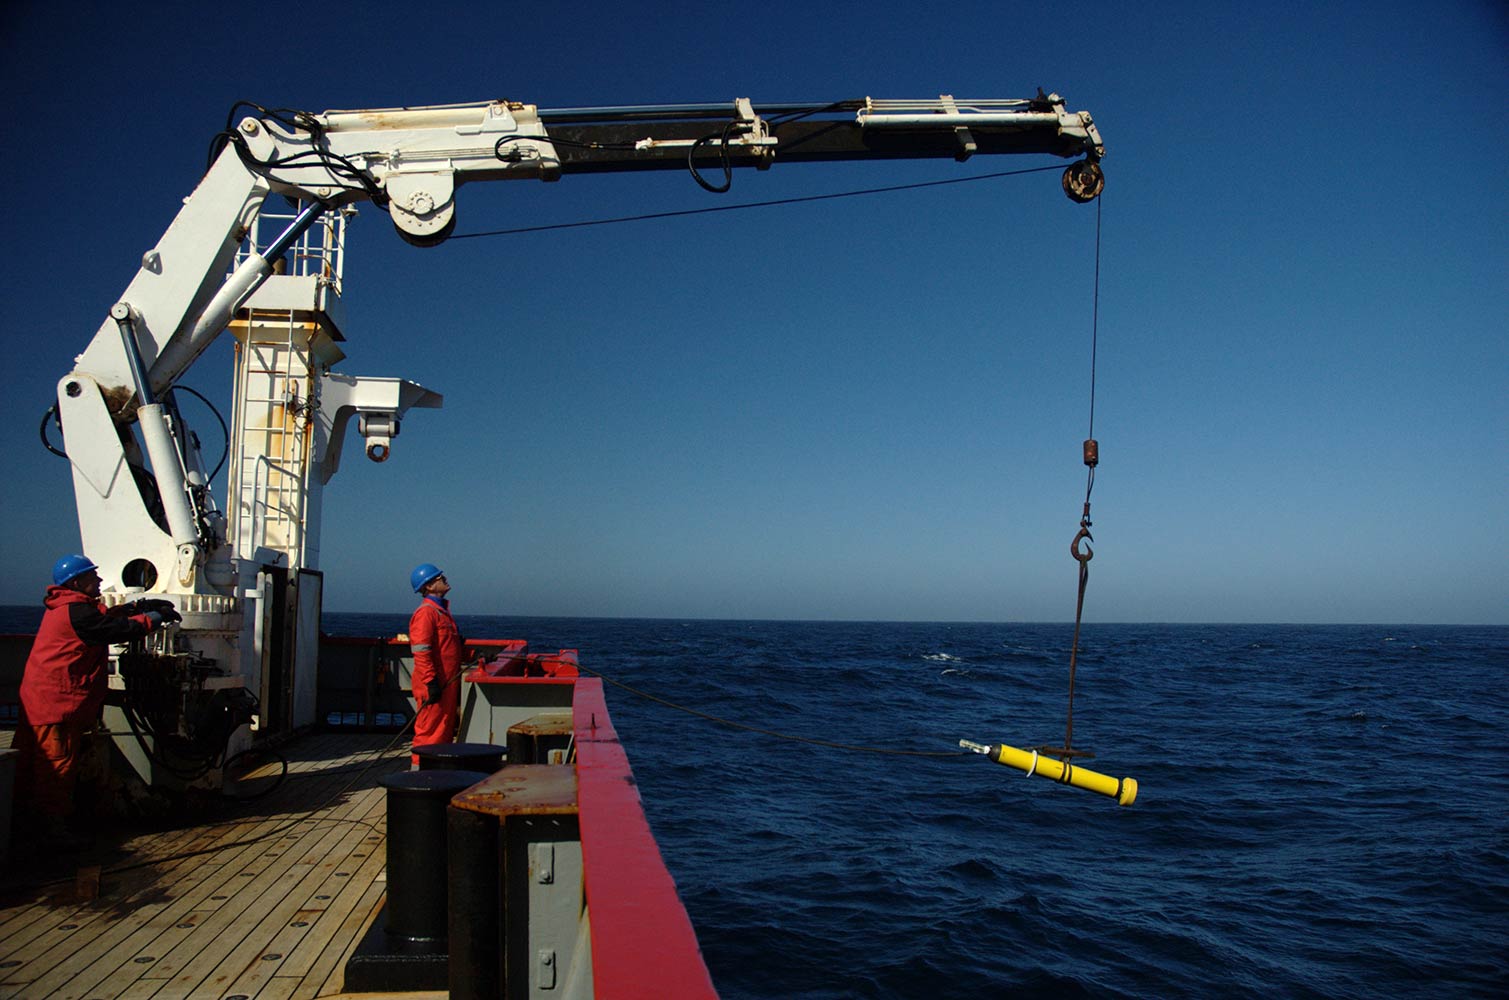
x=246 y=577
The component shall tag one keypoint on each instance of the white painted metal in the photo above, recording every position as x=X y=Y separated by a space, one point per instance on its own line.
x=289 y=325
x=178 y=277
x=948 y=111
x=271 y=436
x=118 y=530
x=167 y=468
x=944 y=118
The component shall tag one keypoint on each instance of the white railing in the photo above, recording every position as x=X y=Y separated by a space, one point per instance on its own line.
x=320 y=252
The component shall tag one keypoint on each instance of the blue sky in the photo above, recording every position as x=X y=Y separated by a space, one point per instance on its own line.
x=868 y=408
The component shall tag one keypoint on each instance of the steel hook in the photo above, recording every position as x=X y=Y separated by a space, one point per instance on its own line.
x=1083 y=536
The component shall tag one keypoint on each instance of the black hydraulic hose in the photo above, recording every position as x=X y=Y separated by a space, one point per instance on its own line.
x=316 y=156
x=52 y=411
x=139 y=723
x=267 y=751
x=732 y=128
x=200 y=756
x=224 y=430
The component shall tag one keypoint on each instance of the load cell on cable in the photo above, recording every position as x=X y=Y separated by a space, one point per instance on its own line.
x=1123 y=790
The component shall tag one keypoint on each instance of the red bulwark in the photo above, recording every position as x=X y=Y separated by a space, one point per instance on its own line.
x=512 y=658
x=643 y=944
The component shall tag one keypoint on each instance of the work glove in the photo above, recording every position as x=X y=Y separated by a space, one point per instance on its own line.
x=433 y=691
x=164 y=610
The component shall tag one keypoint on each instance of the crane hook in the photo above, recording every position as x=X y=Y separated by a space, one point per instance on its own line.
x=1092 y=459
x=1083 y=536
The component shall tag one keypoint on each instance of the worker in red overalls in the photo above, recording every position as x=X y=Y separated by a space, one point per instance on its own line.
x=63 y=687
x=439 y=651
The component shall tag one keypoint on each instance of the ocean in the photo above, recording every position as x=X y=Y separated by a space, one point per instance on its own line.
x=1323 y=810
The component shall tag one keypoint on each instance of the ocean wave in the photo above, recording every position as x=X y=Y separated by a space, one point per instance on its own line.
x=1282 y=837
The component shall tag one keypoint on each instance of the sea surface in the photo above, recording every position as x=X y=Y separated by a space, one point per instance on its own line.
x=1323 y=810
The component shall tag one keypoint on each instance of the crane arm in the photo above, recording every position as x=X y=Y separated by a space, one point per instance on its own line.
x=610 y=139
x=411 y=161
x=418 y=156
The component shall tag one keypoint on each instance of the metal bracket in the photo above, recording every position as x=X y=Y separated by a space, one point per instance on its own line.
x=967 y=145
x=542 y=862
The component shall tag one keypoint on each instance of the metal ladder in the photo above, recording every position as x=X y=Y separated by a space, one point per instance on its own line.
x=277 y=401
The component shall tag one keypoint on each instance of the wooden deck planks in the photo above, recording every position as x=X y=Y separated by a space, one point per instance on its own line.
x=209 y=925
x=326 y=920
x=275 y=886
x=280 y=944
x=118 y=936
x=259 y=926
x=260 y=883
x=327 y=974
x=91 y=931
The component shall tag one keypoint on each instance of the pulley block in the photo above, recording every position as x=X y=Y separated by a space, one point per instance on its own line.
x=1083 y=181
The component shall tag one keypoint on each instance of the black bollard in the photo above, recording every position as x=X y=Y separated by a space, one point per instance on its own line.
x=417 y=897
x=482 y=757
x=476 y=946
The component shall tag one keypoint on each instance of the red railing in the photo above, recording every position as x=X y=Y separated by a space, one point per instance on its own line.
x=643 y=944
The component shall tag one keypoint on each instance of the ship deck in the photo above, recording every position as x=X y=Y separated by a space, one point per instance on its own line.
x=259 y=898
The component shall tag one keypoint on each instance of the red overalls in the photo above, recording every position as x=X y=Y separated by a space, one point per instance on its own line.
x=439 y=651
x=62 y=692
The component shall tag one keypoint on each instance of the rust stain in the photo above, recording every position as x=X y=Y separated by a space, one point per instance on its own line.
x=118 y=400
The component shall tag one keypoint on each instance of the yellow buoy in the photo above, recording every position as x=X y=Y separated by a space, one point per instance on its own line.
x=1123 y=790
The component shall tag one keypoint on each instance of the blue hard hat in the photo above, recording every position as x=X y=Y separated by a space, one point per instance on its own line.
x=423 y=574
x=70 y=566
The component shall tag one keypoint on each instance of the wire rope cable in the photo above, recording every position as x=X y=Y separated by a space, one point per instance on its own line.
x=772 y=203
x=1083 y=556
x=1095 y=320
x=811 y=740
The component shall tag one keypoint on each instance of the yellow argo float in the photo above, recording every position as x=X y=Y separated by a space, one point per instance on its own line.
x=1123 y=790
